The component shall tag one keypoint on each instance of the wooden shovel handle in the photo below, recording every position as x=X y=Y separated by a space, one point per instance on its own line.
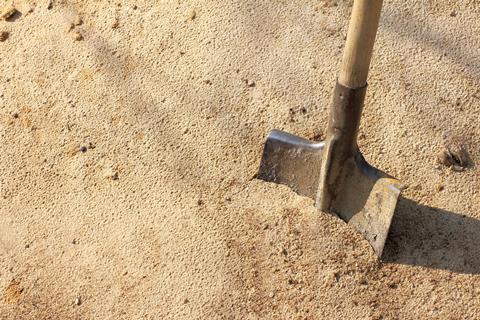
x=360 y=40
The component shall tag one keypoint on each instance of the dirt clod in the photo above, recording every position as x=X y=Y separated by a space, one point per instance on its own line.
x=77 y=36
x=13 y=293
x=78 y=21
x=4 y=36
x=455 y=155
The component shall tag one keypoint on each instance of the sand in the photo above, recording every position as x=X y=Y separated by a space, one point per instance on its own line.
x=131 y=133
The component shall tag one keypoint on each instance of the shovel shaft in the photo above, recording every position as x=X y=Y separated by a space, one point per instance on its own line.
x=341 y=145
x=360 y=40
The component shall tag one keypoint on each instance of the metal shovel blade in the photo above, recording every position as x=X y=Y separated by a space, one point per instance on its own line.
x=365 y=197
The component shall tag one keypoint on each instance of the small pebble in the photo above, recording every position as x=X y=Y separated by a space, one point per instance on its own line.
x=114 y=177
x=4 y=35
x=453 y=13
x=8 y=12
x=457 y=168
x=439 y=187
x=50 y=5
x=251 y=83
x=199 y=202
x=78 y=301
x=192 y=15
x=83 y=149
x=185 y=301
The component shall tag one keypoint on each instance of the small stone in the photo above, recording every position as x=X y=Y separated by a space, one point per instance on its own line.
x=185 y=301
x=50 y=5
x=250 y=83
x=78 y=301
x=15 y=115
x=74 y=241
x=8 y=12
x=439 y=187
x=228 y=199
x=200 y=202
x=77 y=36
x=83 y=149
x=114 y=177
x=271 y=294
x=453 y=13
x=4 y=35
x=457 y=168
x=192 y=15
x=115 y=23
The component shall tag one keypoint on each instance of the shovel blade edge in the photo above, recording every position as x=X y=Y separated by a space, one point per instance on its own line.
x=293 y=161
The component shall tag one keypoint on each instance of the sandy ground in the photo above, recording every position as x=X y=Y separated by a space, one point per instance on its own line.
x=131 y=133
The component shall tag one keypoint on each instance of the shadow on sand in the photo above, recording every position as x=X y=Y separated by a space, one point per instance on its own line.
x=434 y=238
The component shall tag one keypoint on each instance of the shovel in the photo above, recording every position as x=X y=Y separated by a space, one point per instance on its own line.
x=334 y=172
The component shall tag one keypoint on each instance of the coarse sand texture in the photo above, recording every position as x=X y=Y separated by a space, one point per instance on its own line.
x=131 y=132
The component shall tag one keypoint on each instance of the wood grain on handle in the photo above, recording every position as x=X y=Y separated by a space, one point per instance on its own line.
x=360 y=40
